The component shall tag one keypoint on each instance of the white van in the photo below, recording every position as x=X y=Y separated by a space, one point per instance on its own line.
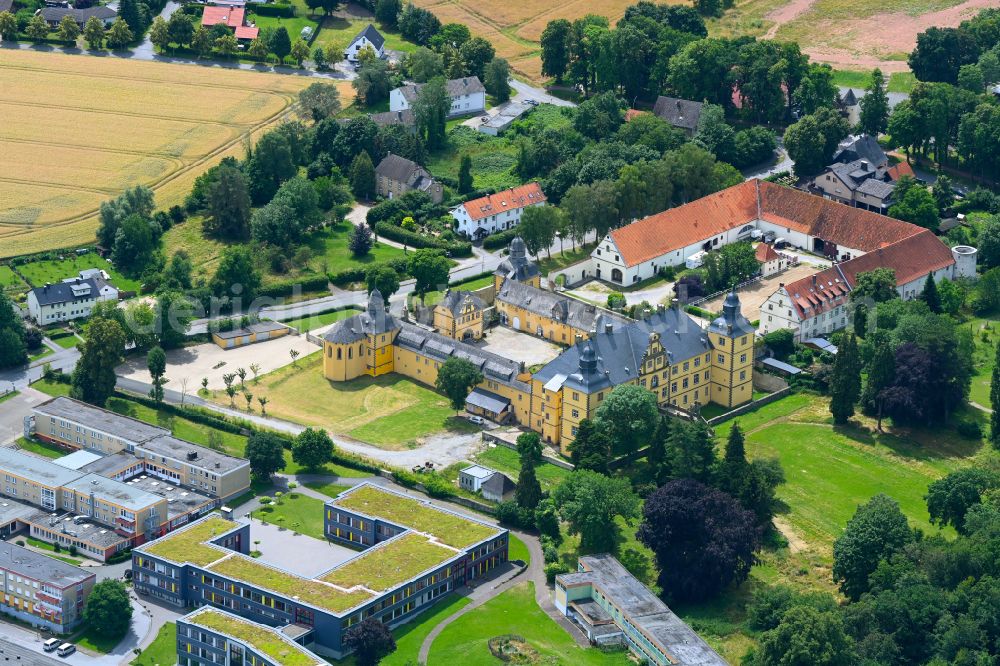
x=51 y=644
x=66 y=649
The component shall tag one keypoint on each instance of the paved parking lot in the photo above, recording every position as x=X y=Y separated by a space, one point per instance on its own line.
x=201 y=360
x=517 y=346
x=13 y=410
x=299 y=554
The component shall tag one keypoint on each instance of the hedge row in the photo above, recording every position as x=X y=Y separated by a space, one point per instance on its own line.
x=358 y=273
x=699 y=312
x=413 y=239
x=287 y=288
x=500 y=240
x=278 y=10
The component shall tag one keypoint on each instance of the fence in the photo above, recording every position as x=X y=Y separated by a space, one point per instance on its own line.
x=745 y=283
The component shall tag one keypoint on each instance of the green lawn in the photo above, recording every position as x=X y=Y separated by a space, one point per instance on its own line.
x=65 y=340
x=493 y=158
x=506 y=460
x=51 y=551
x=52 y=271
x=464 y=641
x=9 y=395
x=330 y=251
x=162 y=651
x=179 y=426
x=41 y=448
x=985 y=340
x=297 y=512
x=411 y=635
x=340 y=31
x=433 y=297
x=517 y=550
x=293 y=25
x=901 y=82
x=315 y=321
x=54 y=389
x=391 y=564
x=391 y=411
x=328 y=489
x=40 y=354
x=88 y=639
x=564 y=259
x=10 y=282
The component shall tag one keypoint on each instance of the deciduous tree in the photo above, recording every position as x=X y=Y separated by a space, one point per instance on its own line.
x=108 y=610
x=228 y=204
x=877 y=529
x=312 y=449
x=156 y=363
x=430 y=270
x=371 y=641
x=384 y=278
x=629 y=415
x=94 y=377
x=431 y=111
x=456 y=378
x=69 y=30
x=266 y=453
x=591 y=448
x=119 y=35
x=874 y=117
x=590 y=503
x=950 y=498
x=495 y=80
x=93 y=33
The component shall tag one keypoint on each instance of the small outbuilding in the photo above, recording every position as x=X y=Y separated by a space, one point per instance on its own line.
x=247 y=335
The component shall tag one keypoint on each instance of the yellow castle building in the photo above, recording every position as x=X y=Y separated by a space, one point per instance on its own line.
x=668 y=353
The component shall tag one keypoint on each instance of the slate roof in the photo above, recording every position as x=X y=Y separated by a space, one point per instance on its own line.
x=372 y=321
x=56 y=14
x=563 y=309
x=62 y=292
x=401 y=170
x=512 y=199
x=874 y=187
x=682 y=113
x=488 y=400
x=849 y=98
x=498 y=485
x=643 y=610
x=455 y=300
x=372 y=35
x=608 y=359
x=6 y=5
x=860 y=147
x=404 y=117
x=466 y=85
x=732 y=322
x=517 y=265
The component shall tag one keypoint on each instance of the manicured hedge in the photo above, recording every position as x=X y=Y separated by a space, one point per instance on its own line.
x=287 y=288
x=401 y=235
x=358 y=273
x=278 y=10
x=500 y=240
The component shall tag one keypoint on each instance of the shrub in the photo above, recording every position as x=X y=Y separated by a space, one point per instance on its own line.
x=509 y=513
x=500 y=240
x=969 y=429
x=417 y=240
x=554 y=569
x=278 y=9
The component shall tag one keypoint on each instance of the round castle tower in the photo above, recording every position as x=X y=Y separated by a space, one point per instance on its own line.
x=965 y=261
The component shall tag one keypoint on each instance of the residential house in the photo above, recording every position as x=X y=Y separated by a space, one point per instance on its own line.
x=856 y=183
x=860 y=147
x=406 y=118
x=459 y=315
x=612 y=607
x=231 y=17
x=771 y=261
x=487 y=215
x=423 y=550
x=819 y=304
x=42 y=591
x=395 y=176
x=468 y=96
x=64 y=301
x=681 y=113
x=367 y=38
x=54 y=15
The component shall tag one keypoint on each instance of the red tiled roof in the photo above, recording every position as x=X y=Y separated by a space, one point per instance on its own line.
x=900 y=169
x=512 y=199
x=766 y=253
x=685 y=225
x=910 y=259
x=230 y=16
x=247 y=32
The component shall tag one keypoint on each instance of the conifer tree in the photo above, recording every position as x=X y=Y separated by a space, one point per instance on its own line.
x=845 y=388
x=930 y=295
x=995 y=402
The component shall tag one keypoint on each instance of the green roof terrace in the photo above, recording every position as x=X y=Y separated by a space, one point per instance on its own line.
x=321 y=595
x=391 y=564
x=190 y=544
x=449 y=528
x=265 y=640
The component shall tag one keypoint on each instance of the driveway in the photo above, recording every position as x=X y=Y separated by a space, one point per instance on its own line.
x=211 y=361
x=13 y=410
x=780 y=162
x=524 y=91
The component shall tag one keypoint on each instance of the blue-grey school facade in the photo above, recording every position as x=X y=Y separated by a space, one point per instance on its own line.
x=185 y=584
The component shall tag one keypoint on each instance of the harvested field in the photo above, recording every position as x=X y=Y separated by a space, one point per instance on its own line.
x=116 y=123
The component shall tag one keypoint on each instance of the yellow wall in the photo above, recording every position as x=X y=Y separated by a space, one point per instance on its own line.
x=528 y=322
x=732 y=369
x=469 y=323
x=344 y=362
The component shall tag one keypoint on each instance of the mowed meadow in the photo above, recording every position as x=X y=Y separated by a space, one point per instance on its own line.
x=77 y=130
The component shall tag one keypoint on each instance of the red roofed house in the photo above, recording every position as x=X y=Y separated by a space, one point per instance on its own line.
x=771 y=261
x=497 y=212
x=233 y=17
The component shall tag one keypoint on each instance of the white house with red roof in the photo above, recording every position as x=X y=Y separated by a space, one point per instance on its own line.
x=487 y=215
x=771 y=261
x=232 y=17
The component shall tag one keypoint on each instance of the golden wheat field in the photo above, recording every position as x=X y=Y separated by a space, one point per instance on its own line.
x=77 y=130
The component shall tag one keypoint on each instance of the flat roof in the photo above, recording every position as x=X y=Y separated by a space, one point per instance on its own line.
x=478 y=471
x=35 y=468
x=36 y=566
x=77 y=460
x=87 y=530
x=644 y=610
x=190 y=543
x=180 y=500
x=450 y=528
x=205 y=458
x=11 y=510
x=268 y=641
x=118 y=492
x=103 y=420
x=265 y=326
x=391 y=563
x=110 y=465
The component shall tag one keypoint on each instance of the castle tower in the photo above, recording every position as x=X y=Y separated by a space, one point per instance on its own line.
x=732 y=338
x=517 y=266
x=965 y=261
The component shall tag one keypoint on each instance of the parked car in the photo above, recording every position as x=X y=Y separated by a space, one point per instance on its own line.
x=51 y=644
x=66 y=649
x=478 y=420
x=531 y=102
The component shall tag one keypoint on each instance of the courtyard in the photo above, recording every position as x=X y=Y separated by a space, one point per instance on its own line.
x=192 y=364
x=296 y=552
x=752 y=296
x=518 y=346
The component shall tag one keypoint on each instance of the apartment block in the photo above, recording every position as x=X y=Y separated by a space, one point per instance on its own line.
x=42 y=591
x=209 y=636
x=77 y=425
x=411 y=554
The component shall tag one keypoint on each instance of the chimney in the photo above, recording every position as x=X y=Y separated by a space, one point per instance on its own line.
x=781 y=285
x=660 y=307
x=608 y=327
x=675 y=303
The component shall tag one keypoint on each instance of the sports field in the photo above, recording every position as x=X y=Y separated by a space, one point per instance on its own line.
x=78 y=130
x=845 y=33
